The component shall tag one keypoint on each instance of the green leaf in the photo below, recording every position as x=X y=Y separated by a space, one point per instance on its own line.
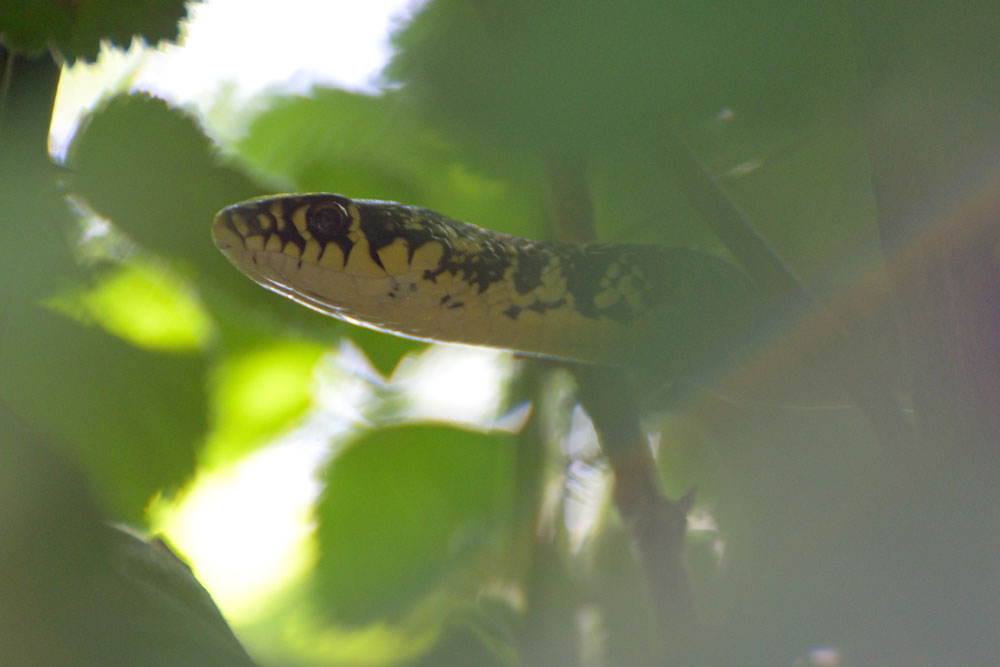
x=76 y=28
x=823 y=222
x=152 y=171
x=143 y=305
x=155 y=175
x=53 y=540
x=407 y=510
x=383 y=350
x=595 y=77
x=35 y=223
x=133 y=418
x=257 y=392
x=373 y=147
x=342 y=141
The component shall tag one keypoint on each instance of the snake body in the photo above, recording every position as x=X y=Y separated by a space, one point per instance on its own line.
x=420 y=274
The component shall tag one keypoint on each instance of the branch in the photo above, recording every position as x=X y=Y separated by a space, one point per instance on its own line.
x=656 y=525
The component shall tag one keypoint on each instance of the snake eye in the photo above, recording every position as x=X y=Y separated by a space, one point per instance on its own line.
x=327 y=222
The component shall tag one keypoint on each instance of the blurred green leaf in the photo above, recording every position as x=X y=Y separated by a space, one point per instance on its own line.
x=373 y=147
x=53 y=541
x=143 y=305
x=384 y=351
x=812 y=200
x=257 y=392
x=313 y=641
x=603 y=84
x=580 y=78
x=35 y=223
x=407 y=510
x=343 y=142
x=77 y=591
x=76 y=28
x=154 y=174
x=133 y=418
x=152 y=171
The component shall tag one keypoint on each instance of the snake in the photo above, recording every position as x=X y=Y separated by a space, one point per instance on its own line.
x=417 y=273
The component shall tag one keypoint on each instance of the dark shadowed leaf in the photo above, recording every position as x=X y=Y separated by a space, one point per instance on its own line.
x=133 y=418
x=153 y=172
x=76 y=29
x=77 y=591
x=35 y=224
x=573 y=77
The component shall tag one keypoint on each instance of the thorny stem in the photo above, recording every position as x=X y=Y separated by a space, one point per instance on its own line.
x=656 y=525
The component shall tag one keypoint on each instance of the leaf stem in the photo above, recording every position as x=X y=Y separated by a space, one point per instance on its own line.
x=782 y=288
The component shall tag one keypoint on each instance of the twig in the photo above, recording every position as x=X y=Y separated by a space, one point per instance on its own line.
x=872 y=396
x=656 y=525
x=733 y=228
x=6 y=74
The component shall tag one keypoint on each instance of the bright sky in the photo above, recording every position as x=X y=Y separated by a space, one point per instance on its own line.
x=255 y=44
x=251 y=45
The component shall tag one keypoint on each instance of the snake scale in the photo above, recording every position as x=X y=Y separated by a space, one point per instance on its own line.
x=417 y=273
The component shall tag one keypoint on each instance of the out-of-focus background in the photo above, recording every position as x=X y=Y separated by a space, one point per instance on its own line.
x=350 y=498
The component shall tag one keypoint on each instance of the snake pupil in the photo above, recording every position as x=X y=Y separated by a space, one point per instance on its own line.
x=327 y=222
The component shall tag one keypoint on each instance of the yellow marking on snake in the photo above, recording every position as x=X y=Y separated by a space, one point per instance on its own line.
x=240 y=225
x=311 y=252
x=332 y=257
x=395 y=257
x=417 y=273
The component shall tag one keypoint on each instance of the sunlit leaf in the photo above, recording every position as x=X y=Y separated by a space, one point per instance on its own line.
x=143 y=305
x=407 y=509
x=259 y=391
x=152 y=172
x=376 y=644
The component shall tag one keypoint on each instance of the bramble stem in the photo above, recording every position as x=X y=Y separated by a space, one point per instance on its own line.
x=655 y=524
